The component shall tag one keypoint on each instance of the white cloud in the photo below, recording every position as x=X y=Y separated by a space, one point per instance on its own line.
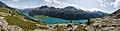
x=94 y=9
x=112 y=3
x=109 y=4
x=61 y=4
x=48 y=1
x=22 y=7
x=117 y=4
x=101 y=1
x=102 y=5
x=15 y=0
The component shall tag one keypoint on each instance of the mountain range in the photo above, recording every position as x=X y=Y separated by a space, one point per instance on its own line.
x=68 y=13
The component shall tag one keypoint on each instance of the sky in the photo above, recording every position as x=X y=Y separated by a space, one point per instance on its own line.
x=108 y=6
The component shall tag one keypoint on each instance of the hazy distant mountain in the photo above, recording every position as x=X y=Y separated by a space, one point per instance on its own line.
x=69 y=8
x=65 y=13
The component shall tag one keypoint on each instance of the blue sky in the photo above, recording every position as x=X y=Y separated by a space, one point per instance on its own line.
x=108 y=6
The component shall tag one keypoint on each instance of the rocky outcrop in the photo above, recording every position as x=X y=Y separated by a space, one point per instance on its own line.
x=108 y=23
x=3 y=23
x=14 y=28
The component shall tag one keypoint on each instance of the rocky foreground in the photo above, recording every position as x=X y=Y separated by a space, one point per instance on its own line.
x=13 y=22
x=5 y=27
x=107 y=23
x=104 y=24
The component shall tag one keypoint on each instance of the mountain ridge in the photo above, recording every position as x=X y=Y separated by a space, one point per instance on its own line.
x=68 y=13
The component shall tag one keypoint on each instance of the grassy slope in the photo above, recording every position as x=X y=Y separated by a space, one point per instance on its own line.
x=4 y=10
x=17 y=20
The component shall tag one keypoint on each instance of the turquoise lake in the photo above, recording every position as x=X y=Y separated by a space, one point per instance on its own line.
x=57 y=20
x=52 y=20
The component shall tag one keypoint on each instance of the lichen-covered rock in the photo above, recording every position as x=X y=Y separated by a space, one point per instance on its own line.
x=14 y=28
x=90 y=28
x=3 y=23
